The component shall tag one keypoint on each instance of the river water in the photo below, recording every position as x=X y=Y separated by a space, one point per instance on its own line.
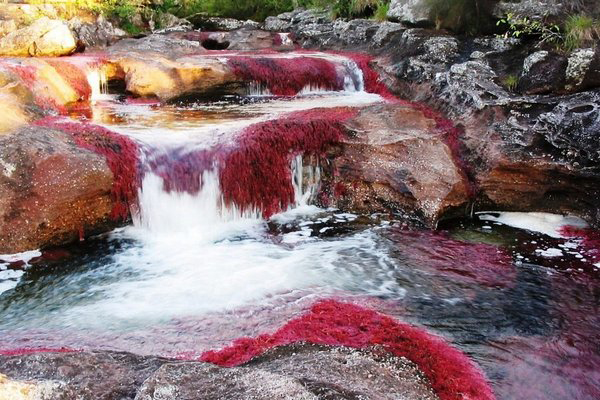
x=190 y=274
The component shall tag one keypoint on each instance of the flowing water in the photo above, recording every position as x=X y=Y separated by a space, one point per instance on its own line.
x=191 y=274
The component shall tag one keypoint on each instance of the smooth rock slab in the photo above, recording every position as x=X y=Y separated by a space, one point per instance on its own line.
x=299 y=371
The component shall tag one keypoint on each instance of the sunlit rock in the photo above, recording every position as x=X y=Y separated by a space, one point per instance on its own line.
x=45 y=37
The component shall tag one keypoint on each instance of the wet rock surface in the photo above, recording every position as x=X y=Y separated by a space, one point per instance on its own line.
x=51 y=190
x=395 y=159
x=81 y=375
x=298 y=371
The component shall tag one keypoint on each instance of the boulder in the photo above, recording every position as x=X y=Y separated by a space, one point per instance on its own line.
x=414 y=12
x=51 y=190
x=169 y=79
x=543 y=72
x=100 y=33
x=397 y=160
x=208 y=23
x=298 y=371
x=79 y=375
x=12 y=115
x=43 y=38
x=532 y=9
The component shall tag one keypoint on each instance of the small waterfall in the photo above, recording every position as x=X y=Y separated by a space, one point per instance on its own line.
x=305 y=179
x=354 y=80
x=98 y=82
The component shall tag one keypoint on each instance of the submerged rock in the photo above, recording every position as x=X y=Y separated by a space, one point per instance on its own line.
x=51 y=190
x=45 y=37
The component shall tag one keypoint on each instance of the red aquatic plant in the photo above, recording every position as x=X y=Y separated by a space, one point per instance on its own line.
x=26 y=351
x=451 y=373
x=255 y=172
x=478 y=263
x=74 y=76
x=287 y=76
x=121 y=155
x=590 y=240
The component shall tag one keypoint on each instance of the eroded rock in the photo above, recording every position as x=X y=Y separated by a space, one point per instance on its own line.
x=396 y=159
x=51 y=190
x=416 y=12
x=43 y=38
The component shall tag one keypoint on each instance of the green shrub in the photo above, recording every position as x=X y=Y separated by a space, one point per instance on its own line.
x=580 y=31
x=382 y=11
x=522 y=27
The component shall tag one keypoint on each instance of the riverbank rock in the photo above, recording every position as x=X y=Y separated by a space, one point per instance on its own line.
x=44 y=38
x=79 y=375
x=415 y=12
x=298 y=371
x=51 y=190
x=396 y=159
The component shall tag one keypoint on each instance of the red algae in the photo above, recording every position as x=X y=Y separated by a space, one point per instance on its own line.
x=451 y=373
x=121 y=155
x=255 y=174
x=35 y=350
x=590 y=240
x=477 y=263
x=287 y=76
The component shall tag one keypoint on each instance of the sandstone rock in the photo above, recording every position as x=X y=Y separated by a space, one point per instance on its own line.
x=7 y=27
x=386 y=31
x=20 y=390
x=166 y=22
x=543 y=72
x=81 y=375
x=415 y=12
x=96 y=34
x=12 y=114
x=578 y=65
x=277 y=24
x=207 y=23
x=532 y=9
x=396 y=160
x=51 y=191
x=299 y=371
x=169 y=79
x=45 y=37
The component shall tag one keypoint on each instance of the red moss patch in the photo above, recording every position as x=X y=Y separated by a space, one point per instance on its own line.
x=26 y=351
x=287 y=76
x=121 y=155
x=256 y=174
x=475 y=263
x=451 y=374
x=590 y=240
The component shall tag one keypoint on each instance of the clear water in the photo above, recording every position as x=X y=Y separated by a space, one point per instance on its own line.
x=190 y=275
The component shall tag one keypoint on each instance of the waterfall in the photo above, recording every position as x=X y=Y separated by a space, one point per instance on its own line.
x=98 y=81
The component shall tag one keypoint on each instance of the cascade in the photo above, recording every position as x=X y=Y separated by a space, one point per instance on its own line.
x=97 y=79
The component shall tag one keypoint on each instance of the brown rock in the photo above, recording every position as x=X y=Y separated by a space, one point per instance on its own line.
x=51 y=191
x=43 y=38
x=168 y=79
x=397 y=161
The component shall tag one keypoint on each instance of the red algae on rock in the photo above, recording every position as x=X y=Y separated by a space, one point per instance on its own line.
x=121 y=155
x=452 y=375
x=287 y=76
x=255 y=174
x=34 y=350
x=477 y=263
x=590 y=240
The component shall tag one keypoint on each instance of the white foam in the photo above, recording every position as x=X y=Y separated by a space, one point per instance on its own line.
x=9 y=279
x=550 y=253
x=25 y=256
x=545 y=223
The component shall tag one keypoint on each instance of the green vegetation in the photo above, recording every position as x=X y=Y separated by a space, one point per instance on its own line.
x=580 y=31
x=511 y=82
